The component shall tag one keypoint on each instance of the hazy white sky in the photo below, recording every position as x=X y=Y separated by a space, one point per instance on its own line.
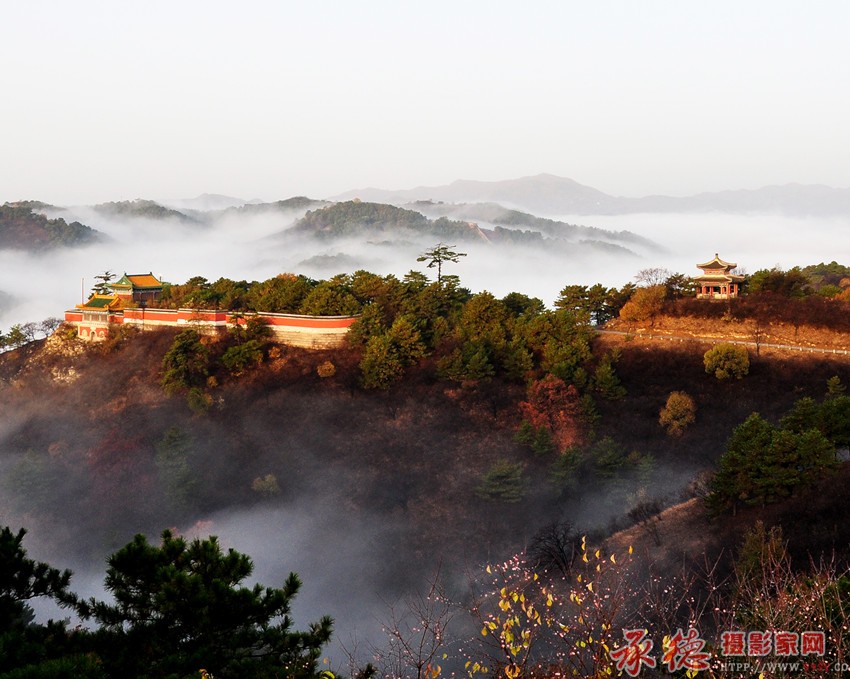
x=273 y=98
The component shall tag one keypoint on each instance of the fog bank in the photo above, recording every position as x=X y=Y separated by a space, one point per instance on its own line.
x=252 y=247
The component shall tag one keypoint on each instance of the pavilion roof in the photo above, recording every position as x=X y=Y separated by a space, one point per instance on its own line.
x=719 y=278
x=717 y=263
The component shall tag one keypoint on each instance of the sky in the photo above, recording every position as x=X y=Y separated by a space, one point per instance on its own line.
x=270 y=99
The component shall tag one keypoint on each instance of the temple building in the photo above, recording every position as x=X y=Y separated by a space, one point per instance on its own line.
x=137 y=288
x=131 y=304
x=717 y=281
x=94 y=316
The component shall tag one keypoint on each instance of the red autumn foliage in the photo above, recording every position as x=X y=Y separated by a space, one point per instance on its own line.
x=556 y=405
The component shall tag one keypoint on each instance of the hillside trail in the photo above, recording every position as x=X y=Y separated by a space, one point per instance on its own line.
x=726 y=340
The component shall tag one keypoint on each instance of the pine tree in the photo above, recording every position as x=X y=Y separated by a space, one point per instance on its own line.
x=102 y=286
x=181 y=606
x=438 y=255
x=186 y=363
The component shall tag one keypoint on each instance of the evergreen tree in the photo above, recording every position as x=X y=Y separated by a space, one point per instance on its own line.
x=102 y=286
x=438 y=255
x=22 y=579
x=16 y=337
x=605 y=379
x=834 y=387
x=28 y=649
x=387 y=355
x=504 y=482
x=186 y=364
x=380 y=366
x=763 y=464
x=181 y=606
x=173 y=454
x=738 y=467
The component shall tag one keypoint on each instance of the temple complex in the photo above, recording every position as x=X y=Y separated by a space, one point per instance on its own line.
x=138 y=288
x=717 y=281
x=94 y=318
x=129 y=305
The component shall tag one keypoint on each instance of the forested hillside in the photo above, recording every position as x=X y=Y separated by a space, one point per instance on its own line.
x=502 y=217
x=294 y=203
x=356 y=218
x=23 y=229
x=146 y=209
x=455 y=430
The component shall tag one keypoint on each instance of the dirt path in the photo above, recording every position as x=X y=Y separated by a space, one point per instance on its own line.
x=642 y=334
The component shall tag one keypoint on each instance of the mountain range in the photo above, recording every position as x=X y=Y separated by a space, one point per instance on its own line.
x=519 y=203
x=547 y=194
x=488 y=223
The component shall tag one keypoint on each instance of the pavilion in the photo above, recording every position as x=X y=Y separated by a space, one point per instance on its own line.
x=717 y=280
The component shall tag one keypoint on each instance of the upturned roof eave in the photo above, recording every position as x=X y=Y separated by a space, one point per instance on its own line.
x=727 y=278
x=717 y=263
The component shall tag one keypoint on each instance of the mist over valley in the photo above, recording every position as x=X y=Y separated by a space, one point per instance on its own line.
x=461 y=424
x=511 y=249
x=424 y=340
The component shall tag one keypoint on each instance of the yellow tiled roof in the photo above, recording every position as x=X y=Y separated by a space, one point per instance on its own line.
x=144 y=280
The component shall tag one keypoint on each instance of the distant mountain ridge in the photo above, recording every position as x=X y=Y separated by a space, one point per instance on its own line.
x=289 y=204
x=206 y=202
x=499 y=216
x=489 y=223
x=548 y=194
x=363 y=219
x=142 y=209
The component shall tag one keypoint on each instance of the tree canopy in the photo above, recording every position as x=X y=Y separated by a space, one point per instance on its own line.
x=181 y=605
x=726 y=361
x=764 y=464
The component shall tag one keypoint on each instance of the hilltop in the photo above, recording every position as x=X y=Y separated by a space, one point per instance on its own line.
x=500 y=217
x=439 y=437
x=23 y=229
x=142 y=209
x=384 y=450
x=360 y=219
x=813 y=523
x=501 y=227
